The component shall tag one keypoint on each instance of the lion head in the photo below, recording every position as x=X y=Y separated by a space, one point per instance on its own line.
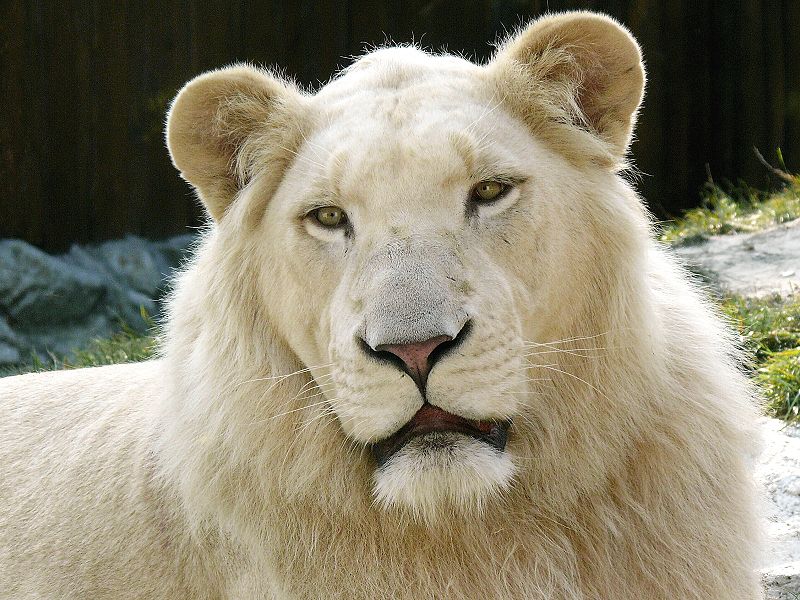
x=416 y=227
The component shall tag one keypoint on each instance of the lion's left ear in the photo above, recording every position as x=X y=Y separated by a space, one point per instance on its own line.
x=585 y=61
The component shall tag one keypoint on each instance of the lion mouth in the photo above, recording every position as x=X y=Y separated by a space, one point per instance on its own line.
x=431 y=419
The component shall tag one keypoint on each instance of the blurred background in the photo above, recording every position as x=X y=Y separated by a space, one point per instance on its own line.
x=85 y=86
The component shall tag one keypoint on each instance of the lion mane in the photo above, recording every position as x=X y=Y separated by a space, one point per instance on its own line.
x=427 y=347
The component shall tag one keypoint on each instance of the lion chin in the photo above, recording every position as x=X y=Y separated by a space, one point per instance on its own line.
x=442 y=472
x=439 y=462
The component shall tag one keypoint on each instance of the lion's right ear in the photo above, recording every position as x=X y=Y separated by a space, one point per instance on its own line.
x=226 y=125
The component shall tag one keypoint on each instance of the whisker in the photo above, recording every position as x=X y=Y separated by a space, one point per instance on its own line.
x=305 y=158
x=304 y=397
x=569 y=339
x=568 y=374
x=552 y=348
x=279 y=378
x=528 y=368
x=308 y=385
x=309 y=397
x=485 y=112
x=315 y=145
x=580 y=352
x=528 y=393
x=323 y=414
x=288 y=412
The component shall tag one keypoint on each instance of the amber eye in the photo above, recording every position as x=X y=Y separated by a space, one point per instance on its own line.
x=330 y=216
x=487 y=191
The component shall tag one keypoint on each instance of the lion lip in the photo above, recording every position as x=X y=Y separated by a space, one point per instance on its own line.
x=431 y=419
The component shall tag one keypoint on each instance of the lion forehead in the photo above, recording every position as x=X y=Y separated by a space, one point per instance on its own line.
x=398 y=68
x=396 y=83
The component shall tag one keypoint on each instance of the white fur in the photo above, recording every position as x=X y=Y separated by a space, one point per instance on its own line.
x=237 y=464
x=446 y=473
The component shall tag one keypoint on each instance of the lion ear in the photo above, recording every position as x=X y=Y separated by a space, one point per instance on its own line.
x=225 y=125
x=585 y=60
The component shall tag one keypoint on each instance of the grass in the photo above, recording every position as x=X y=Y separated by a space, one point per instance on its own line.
x=740 y=209
x=770 y=328
x=128 y=345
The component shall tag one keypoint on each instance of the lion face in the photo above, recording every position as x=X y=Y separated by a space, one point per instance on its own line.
x=414 y=318
x=406 y=219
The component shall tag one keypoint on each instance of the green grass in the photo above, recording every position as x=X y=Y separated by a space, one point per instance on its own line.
x=741 y=209
x=770 y=328
x=128 y=345
x=769 y=325
x=779 y=377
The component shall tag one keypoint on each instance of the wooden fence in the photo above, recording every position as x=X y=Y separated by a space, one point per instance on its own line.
x=84 y=85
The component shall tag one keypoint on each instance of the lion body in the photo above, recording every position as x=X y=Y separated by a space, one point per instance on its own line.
x=236 y=466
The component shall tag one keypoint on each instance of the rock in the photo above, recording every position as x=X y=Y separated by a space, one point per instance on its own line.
x=135 y=263
x=36 y=288
x=51 y=342
x=750 y=264
x=783 y=583
x=11 y=347
x=778 y=473
x=758 y=264
x=129 y=274
x=56 y=304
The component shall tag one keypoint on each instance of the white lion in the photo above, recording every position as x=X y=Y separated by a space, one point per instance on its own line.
x=427 y=349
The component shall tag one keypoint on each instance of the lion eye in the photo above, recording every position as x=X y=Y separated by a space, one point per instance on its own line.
x=330 y=216
x=487 y=191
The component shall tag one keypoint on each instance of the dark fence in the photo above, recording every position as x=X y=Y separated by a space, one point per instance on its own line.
x=84 y=86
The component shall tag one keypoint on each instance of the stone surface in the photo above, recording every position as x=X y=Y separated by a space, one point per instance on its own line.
x=10 y=344
x=751 y=264
x=55 y=304
x=778 y=471
x=783 y=583
x=36 y=288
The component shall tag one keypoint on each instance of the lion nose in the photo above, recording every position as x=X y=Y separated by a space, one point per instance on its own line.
x=418 y=357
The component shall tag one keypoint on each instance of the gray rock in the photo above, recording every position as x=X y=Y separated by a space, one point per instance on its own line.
x=129 y=274
x=61 y=341
x=133 y=262
x=173 y=251
x=778 y=473
x=783 y=583
x=11 y=346
x=52 y=305
x=758 y=264
x=751 y=264
x=37 y=288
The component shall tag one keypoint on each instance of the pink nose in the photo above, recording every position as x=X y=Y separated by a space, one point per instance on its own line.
x=416 y=356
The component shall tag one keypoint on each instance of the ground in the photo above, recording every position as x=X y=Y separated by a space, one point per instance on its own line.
x=764 y=264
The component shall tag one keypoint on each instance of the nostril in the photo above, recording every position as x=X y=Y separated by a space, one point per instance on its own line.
x=446 y=347
x=418 y=358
